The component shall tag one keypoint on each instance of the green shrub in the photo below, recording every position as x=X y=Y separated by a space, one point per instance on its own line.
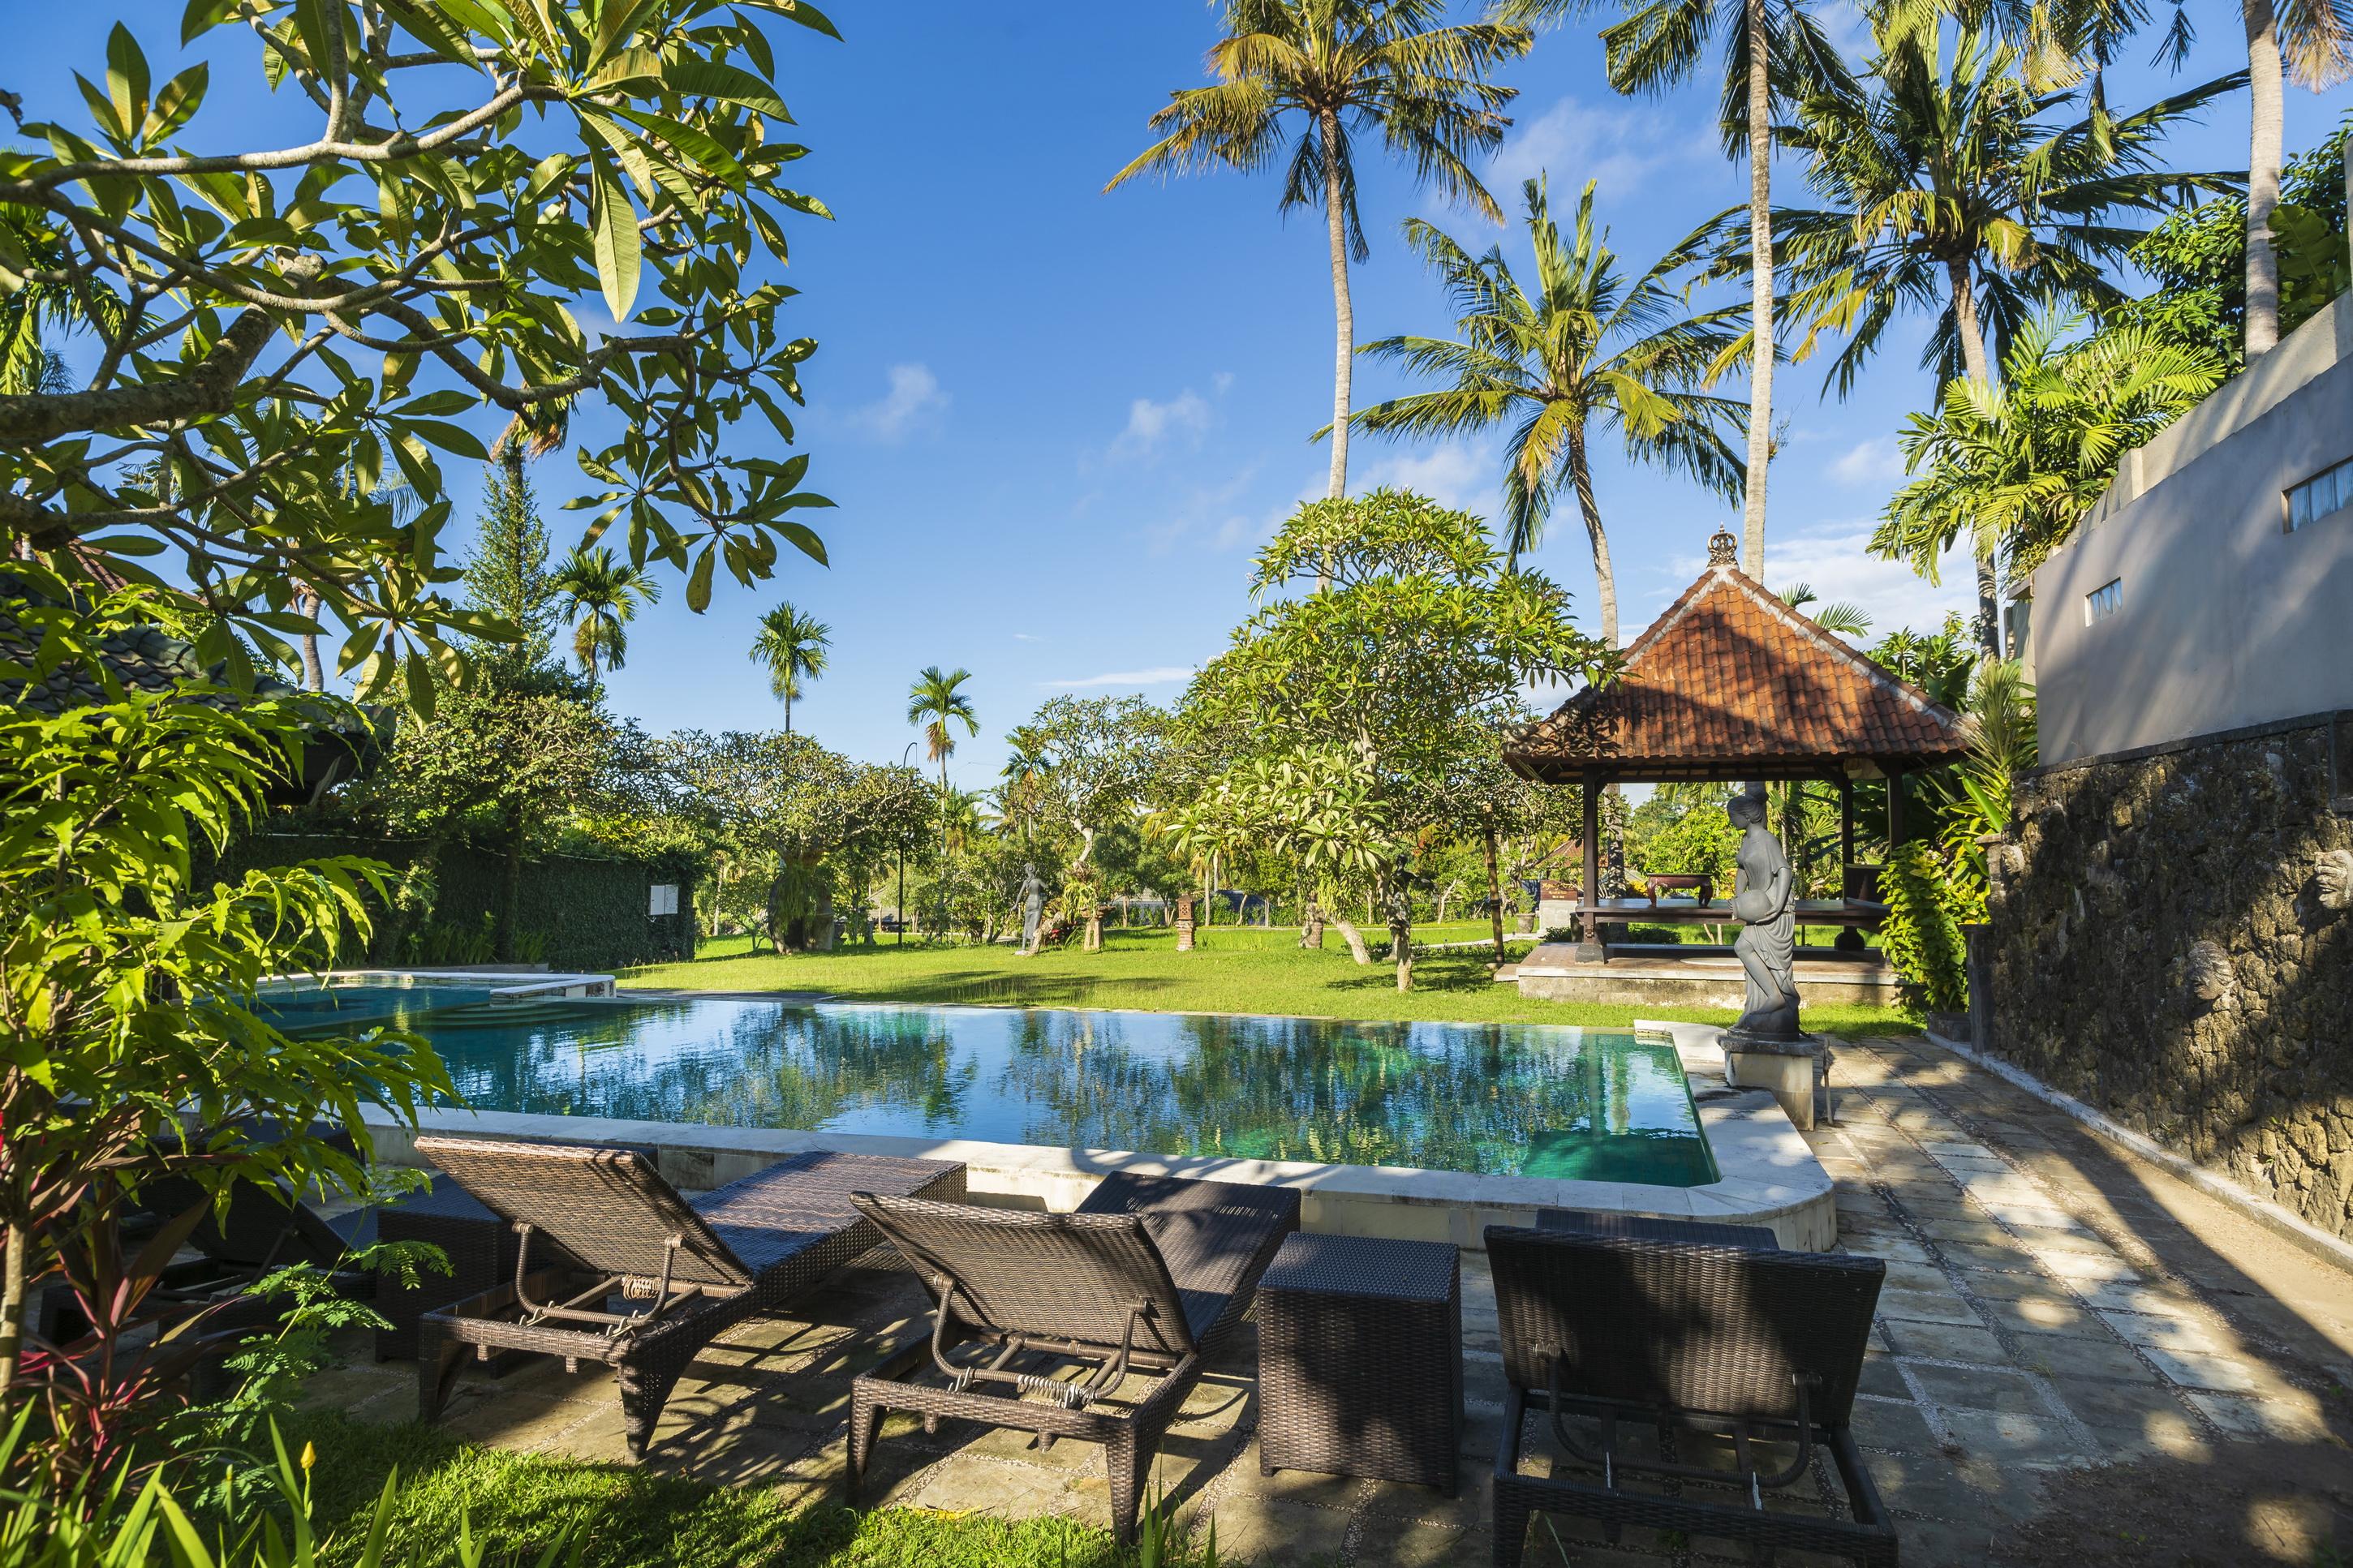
x=1922 y=933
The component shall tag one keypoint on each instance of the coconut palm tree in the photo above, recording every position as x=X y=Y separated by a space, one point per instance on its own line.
x=1301 y=79
x=2309 y=42
x=1773 y=51
x=1844 y=617
x=792 y=646
x=599 y=596
x=938 y=703
x=1587 y=347
x=1951 y=190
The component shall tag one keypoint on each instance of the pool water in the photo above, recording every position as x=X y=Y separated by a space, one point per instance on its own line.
x=1530 y=1100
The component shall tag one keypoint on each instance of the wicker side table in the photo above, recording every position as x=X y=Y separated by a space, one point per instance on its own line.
x=1360 y=1359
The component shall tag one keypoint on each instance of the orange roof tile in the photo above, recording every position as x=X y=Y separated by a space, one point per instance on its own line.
x=1733 y=683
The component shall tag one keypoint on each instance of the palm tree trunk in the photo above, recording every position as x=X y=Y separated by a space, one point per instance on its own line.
x=314 y=674
x=1495 y=895
x=1605 y=581
x=1343 y=316
x=1966 y=327
x=2262 y=176
x=1760 y=292
x=788 y=710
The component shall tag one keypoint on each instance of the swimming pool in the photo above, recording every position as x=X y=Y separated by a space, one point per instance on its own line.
x=1501 y=1098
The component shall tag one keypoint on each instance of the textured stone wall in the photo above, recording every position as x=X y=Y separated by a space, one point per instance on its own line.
x=2169 y=941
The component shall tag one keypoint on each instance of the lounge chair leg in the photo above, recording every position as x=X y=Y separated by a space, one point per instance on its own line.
x=865 y=1428
x=644 y=1392
x=1126 y=1467
x=1511 y=1528
x=438 y=1360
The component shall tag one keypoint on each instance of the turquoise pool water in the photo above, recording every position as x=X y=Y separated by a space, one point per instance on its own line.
x=1532 y=1100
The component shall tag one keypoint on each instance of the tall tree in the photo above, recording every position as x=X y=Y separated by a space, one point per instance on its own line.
x=1098 y=752
x=600 y=596
x=792 y=648
x=938 y=703
x=506 y=574
x=1301 y=79
x=1587 y=347
x=1772 y=50
x=1953 y=189
x=2309 y=42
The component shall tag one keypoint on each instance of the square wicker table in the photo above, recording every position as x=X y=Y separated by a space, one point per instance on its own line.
x=1360 y=1359
x=480 y=1248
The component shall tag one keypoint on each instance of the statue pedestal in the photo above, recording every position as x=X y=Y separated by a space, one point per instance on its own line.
x=1796 y=1070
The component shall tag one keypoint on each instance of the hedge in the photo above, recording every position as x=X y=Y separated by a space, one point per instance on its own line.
x=574 y=913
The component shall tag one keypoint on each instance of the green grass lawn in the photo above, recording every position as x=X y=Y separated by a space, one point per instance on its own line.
x=626 y=1517
x=1233 y=970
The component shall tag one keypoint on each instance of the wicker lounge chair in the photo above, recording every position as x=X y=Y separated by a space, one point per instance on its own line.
x=1149 y=1276
x=1684 y=1337
x=684 y=1272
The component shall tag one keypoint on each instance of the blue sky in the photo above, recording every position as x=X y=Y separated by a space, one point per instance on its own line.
x=1057 y=422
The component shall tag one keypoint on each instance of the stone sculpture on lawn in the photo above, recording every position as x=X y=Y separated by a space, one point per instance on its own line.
x=1765 y=898
x=1033 y=898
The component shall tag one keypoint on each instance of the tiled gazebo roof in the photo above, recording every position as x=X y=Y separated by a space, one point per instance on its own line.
x=1731 y=683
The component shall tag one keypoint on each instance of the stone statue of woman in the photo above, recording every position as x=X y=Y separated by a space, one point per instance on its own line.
x=1033 y=897
x=1765 y=898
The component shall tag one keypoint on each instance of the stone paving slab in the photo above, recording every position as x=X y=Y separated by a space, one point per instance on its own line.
x=2056 y=1316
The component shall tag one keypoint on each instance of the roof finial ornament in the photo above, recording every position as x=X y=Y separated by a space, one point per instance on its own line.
x=1723 y=549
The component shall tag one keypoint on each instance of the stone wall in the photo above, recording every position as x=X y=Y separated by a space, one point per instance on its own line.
x=2169 y=940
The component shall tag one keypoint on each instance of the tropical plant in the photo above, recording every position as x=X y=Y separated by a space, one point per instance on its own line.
x=600 y=596
x=2310 y=43
x=1999 y=725
x=1843 y=616
x=128 y=981
x=506 y=572
x=1300 y=81
x=274 y=306
x=792 y=648
x=1096 y=754
x=1921 y=934
x=1590 y=348
x=937 y=703
x=1774 y=51
x=2011 y=472
x=1952 y=190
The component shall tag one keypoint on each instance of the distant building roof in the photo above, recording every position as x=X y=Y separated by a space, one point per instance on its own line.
x=1732 y=683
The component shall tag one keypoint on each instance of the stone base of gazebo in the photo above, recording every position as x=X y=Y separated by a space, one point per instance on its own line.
x=1689 y=975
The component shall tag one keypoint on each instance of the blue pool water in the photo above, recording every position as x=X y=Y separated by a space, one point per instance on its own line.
x=1535 y=1100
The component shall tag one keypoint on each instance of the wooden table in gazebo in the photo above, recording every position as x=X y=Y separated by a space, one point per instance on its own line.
x=1732 y=685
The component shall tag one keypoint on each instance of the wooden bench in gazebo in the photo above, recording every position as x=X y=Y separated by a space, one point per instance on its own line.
x=1731 y=685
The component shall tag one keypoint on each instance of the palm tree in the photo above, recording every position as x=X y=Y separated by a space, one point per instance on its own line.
x=1952 y=192
x=792 y=646
x=1773 y=50
x=937 y=703
x=1300 y=80
x=1843 y=616
x=600 y=596
x=1587 y=347
x=2313 y=40
x=2013 y=470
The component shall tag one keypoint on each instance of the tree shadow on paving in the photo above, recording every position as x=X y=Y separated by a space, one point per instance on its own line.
x=2247 y=1502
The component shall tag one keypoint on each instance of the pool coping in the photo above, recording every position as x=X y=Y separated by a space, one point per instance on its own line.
x=1768 y=1176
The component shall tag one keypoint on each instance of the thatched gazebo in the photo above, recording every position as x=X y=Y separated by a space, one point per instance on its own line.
x=1733 y=685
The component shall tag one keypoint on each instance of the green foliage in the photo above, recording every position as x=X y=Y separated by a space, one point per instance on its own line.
x=1921 y=936
x=2012 y=470
x=792 y=648
x=600 y=598
x=278 y=328
x=2197 y=258
x=506 y=571
x=1690 y=839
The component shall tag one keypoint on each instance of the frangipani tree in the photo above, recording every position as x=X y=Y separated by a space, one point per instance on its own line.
x=271 y=323
x=1093 y=756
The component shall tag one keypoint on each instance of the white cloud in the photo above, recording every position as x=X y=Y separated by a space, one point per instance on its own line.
x=1833 y=559
x=1614 y=145
x=1462 y=475
x=1877 y=461
x=1152 y=425
x=1026 y=636
x=1222 y=382
x=914 y=398
x=1161 y=675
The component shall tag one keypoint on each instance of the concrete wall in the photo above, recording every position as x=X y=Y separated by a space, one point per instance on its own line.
x=2228 y=620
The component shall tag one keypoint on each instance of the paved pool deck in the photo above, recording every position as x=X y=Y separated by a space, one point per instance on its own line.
x=2080 y=1359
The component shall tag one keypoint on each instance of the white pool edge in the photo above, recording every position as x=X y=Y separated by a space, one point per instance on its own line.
x=1769 y=1175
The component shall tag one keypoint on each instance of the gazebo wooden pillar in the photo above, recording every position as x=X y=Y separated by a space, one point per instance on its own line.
x=1588 y=900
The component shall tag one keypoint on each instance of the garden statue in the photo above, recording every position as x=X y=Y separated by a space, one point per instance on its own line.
x=1033 y=897
x=1765 y=898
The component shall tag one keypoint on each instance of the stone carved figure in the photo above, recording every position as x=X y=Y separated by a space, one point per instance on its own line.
x=1765 y=898
x=1033 y=899
x=2334 y=877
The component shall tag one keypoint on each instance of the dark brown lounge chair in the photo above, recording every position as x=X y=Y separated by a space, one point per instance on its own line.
x=1149 y=1276
x=1675 y=1335
x=684 y=1272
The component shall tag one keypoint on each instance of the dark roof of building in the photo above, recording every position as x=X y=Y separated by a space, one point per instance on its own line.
x=1732 y=683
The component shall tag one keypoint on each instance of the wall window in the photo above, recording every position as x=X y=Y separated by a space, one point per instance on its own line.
x=2319 y=496
x=664 y=901
x=2103 y=601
